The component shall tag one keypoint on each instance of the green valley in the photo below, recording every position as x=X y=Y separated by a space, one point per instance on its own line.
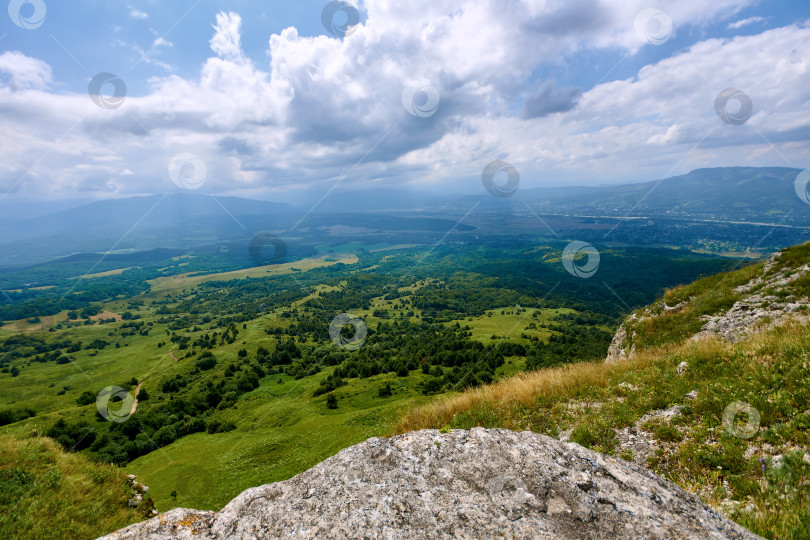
x=235 y=372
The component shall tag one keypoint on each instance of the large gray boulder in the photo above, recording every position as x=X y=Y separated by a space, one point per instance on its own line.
x=482 y=483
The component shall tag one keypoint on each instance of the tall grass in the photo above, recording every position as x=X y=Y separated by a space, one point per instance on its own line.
x=504 y=400
x=48 y=493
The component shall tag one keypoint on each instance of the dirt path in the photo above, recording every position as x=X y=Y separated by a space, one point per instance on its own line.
x=135 y=401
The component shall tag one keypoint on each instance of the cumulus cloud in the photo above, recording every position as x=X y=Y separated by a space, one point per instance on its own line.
x=137 y=14
x=226 y=42
x=23 y=72
x=323 y=106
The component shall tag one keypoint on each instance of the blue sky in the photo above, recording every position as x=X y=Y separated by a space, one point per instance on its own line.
x=107 y=36
x=585 y=92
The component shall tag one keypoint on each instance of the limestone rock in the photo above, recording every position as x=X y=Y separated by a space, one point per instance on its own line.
x=462 y=484
x=759 y=310
x=616 y=350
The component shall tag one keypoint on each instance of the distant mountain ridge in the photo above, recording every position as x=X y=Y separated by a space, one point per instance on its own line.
x=753 y=194
x=733 y=193
x=183 y=220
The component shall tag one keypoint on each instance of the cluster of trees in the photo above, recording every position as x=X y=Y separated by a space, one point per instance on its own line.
x=447 y=354
x=134 y=327
x=211 y=340
x=186 y=404
x=357 y=293
x=75 y=296
x=572 y=344
x=27 y=349
x=462 y=296
x=9 y=416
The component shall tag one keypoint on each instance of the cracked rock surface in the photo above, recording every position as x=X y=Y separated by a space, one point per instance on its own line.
x=482 y=483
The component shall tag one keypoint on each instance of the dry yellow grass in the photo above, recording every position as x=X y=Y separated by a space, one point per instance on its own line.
x=116 y=272
x=522 y=389
x=162 y=285
x=555 y=384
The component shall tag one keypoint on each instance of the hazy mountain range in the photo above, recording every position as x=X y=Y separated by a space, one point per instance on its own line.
x=181 y=221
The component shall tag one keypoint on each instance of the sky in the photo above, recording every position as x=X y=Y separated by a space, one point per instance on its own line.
x=272 y=99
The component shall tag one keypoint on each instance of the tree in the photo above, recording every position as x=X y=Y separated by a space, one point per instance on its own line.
x=331 y=402
x=385 y=391
x=86 y=398
x=165 y=436
x=207 y=361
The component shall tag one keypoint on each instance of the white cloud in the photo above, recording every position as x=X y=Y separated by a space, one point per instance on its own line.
x=24 y=72
x=149 y=56
x=226 y=42
x=137 y=14
x=744 y=22
x=322 y=104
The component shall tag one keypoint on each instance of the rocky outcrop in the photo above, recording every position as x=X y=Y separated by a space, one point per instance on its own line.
x=617 y=350
x=467 y=484
x=766 y=300
x=760 y=308
x=641 y=443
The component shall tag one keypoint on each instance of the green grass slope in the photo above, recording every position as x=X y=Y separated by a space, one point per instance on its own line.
x=281 y=430
x=48 y=493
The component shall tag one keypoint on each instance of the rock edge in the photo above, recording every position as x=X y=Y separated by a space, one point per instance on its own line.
x=460 y=484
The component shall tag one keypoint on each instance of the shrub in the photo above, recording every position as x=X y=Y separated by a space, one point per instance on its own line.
x=86 y=398
x=165 y=436
x=11 y=416
x=206 y=361
x=218 y=426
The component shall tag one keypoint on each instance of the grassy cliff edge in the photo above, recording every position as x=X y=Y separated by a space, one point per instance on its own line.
x=46 y=492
